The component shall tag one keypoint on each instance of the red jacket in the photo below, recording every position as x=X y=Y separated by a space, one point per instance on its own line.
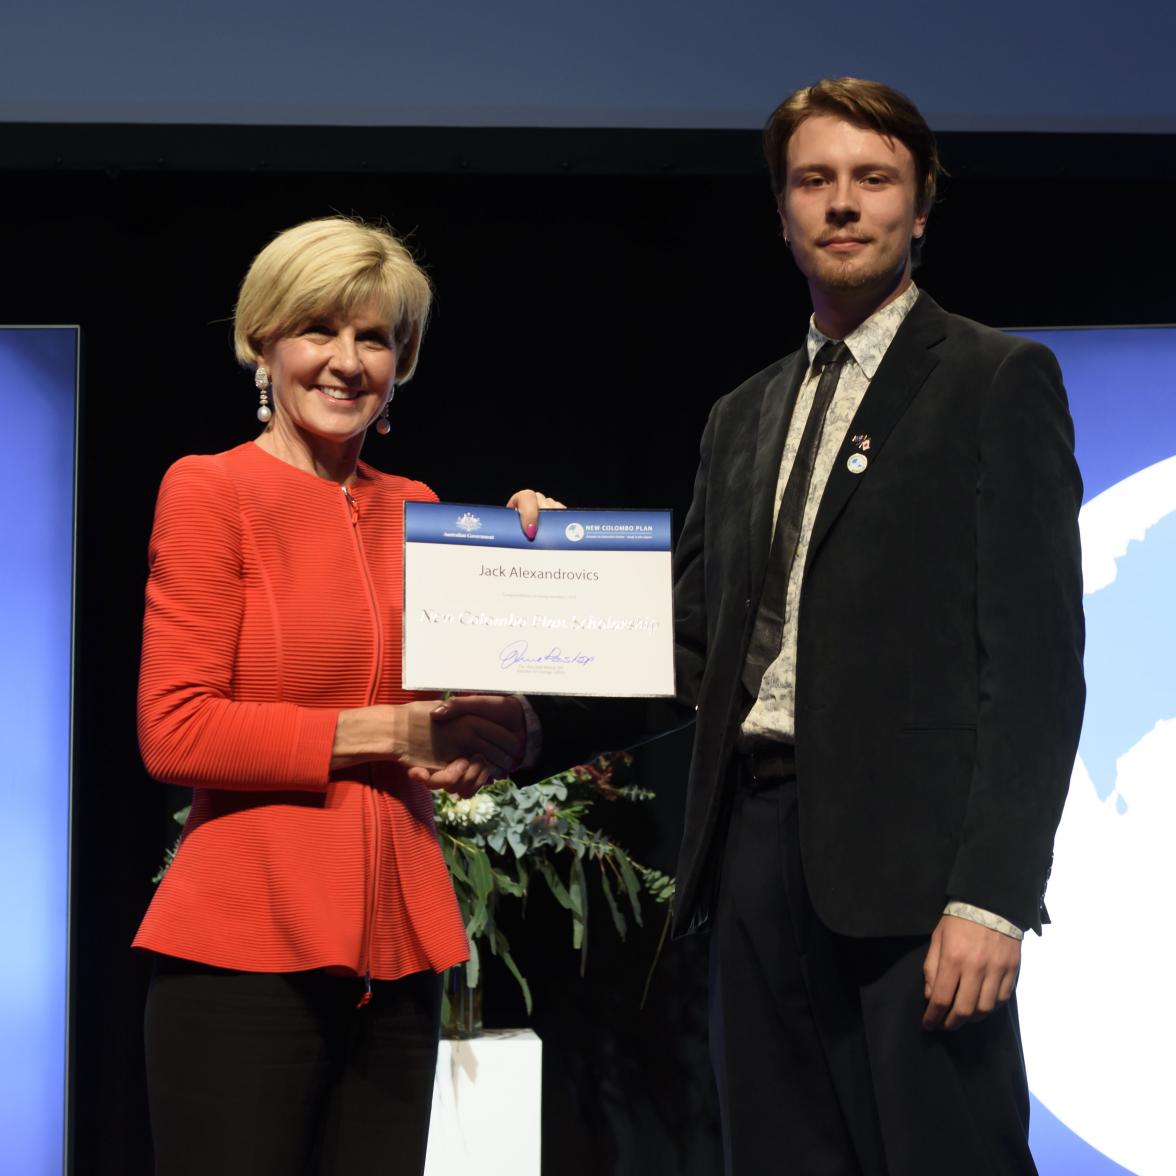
x=274 y=602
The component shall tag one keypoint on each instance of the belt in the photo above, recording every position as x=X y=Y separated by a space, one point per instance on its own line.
x=772 y=761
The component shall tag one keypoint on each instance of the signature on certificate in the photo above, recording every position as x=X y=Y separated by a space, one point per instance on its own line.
x=515 y=654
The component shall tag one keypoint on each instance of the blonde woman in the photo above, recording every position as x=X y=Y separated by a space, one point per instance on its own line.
x=291 y=1024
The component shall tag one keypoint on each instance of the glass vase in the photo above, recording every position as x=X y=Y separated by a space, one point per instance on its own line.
x=461 y=1005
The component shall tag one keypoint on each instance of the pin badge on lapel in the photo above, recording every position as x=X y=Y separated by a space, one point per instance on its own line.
x=857 y=463
x=861 y=441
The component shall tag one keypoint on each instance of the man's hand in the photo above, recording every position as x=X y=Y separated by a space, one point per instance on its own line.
x=969 y=971
x=462 y=777
x=529 y=503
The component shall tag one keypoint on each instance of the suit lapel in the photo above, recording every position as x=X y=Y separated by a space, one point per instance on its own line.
x=779 y=399
x=903 y=371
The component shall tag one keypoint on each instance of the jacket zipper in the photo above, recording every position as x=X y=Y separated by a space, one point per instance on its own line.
x=369 y=927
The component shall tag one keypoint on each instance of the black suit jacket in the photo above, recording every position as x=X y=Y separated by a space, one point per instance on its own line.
x=939 y=660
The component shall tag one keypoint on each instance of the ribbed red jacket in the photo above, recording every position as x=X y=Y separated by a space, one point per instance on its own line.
x=273 y=603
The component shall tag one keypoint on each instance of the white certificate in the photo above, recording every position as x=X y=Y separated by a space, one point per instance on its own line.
x=586 y=608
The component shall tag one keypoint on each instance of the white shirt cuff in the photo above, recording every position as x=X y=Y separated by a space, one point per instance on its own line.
x=975 y=914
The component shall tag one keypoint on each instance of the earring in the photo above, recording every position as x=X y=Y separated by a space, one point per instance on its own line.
x=261 y=378
x=383 y=425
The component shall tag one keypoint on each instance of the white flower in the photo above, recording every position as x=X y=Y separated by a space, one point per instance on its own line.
x=466 y=812
x=483 y=809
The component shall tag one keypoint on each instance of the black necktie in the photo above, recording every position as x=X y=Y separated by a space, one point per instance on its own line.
x=768 y=630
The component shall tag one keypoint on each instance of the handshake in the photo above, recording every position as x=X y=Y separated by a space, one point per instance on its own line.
x=463 y=743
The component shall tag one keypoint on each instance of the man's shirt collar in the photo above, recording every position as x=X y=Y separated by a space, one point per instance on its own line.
x=868 y=342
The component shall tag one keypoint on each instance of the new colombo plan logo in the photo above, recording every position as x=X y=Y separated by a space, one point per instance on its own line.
x=574 y=532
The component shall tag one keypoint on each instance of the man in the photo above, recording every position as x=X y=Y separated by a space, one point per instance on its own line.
x=878 y=619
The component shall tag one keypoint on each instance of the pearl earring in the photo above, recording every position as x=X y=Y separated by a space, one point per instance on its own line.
x=261 y=378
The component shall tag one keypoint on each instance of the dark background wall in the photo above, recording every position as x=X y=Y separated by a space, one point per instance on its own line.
x=597 y=291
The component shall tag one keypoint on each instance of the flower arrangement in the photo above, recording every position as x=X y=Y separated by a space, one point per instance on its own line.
x=499 y=840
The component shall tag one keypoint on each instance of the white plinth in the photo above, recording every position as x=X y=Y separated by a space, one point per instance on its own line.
x=486 y=1106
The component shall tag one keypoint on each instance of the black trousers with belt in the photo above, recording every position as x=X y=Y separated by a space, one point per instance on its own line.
x=822 y=1065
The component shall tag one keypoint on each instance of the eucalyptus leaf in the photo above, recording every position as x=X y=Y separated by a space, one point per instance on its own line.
x=476 y=923
x=505 y=884
x=451 y=851
x=503 y=953
x=629 y=878
x=556 y=886
x=481 y=875
x=617 y=917
x=578 y=889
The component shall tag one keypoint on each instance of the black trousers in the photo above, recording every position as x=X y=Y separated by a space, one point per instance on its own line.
x=253 y=1074
x=822 y=1065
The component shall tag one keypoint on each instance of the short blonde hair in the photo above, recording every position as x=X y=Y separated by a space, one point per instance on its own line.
x=332 y=267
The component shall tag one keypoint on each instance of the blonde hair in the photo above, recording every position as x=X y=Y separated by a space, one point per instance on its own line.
x=326 y=268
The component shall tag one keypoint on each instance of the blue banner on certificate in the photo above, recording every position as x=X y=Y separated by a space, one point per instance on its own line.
x=587 y=608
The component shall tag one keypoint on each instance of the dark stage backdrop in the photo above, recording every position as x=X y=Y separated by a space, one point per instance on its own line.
x=587 y=318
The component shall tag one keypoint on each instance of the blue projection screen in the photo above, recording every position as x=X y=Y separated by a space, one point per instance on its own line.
x=1095 y=990
x=38 y=384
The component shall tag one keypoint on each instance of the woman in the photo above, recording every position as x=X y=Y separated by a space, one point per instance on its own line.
x=291 y=1022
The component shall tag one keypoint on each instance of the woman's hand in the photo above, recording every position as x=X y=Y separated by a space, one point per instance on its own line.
x=529 y=503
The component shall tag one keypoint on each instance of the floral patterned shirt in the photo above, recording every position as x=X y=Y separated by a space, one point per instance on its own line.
x=771 y=719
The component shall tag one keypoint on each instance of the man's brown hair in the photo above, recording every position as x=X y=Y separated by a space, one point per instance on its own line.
x=869 y=105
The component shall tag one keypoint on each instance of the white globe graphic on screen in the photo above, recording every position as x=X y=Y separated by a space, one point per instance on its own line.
x=1096 y=993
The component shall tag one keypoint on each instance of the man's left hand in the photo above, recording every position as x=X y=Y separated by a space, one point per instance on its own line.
x=970 y=970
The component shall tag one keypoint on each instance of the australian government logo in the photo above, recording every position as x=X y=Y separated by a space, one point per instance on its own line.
x=469 y=526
